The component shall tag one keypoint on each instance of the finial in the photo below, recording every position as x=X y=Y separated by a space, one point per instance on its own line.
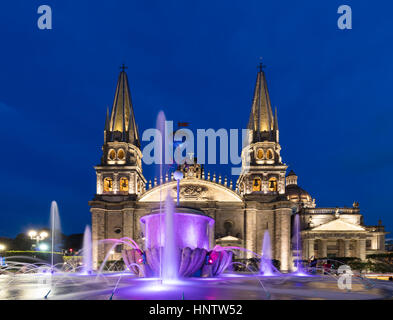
x=123 y=67
x=261 y=65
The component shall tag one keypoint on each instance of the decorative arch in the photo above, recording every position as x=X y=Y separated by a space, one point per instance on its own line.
x=260 y=154
x=272 y=184
x=108 y=184
x=269 y=154
x=256 y=184
x=112 y=154
x=121 y=155
x=124 y=184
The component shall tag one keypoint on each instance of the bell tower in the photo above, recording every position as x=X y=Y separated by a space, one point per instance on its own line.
x=120 y=171
x=262 y=169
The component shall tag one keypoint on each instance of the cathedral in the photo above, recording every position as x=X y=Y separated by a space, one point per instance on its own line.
x=264 y=197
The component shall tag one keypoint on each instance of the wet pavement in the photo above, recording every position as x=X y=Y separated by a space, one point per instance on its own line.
x=70 y=286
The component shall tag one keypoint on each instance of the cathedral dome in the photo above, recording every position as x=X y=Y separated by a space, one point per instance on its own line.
x=296 y=194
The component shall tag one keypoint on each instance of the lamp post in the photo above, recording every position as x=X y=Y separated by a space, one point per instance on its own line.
x=178 y=175
x=34 y=235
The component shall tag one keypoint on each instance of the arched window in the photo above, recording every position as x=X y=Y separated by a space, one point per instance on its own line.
x=269 y=154
x=112 y=154
x=108 y=185
x=272 y=184
x=260 y=153
x=120 y=154
x=123 y=184
x=256 y=184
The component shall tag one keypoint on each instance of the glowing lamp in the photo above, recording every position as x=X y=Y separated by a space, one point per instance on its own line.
x=178 y=175
x=32 y=233
x=43 y=235
x=43 y=247
x=2 y=247
x=140 y=260
x=210 y=261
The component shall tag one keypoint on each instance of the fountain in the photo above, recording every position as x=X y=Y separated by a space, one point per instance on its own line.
x=266 y=266
x=55 y=230
x=185 y=250
x=170 y=257
x=299 y=267
x=87 y=253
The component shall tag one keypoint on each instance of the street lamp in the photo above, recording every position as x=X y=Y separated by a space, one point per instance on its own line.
x=34 y=235
x=178 y=175
x=2 y=247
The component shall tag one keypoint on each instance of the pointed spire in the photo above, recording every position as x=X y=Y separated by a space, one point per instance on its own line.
x=107 y=120
x=122 y=117
x=261 y=117
x=275 y=126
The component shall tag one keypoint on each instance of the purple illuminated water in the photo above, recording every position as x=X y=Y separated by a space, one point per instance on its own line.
x=192 y=229
x=87 y=253
x=266 y=266
x=299 y=267
x=170 y=258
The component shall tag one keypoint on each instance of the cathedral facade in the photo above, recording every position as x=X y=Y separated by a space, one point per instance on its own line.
x=264 y=197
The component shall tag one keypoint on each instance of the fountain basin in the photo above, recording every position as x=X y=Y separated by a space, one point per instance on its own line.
x=192 y=230
x=190 y=236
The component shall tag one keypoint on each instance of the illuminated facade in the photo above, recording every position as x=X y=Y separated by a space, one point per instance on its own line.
x=263 y=198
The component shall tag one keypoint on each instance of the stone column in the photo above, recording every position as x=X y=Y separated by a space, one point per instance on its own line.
x=128 y=225
x=116 y=182
x=340 y=245
x=323 y=250
x=99 y=183
x=251 y=222
x=361 y=249
x=347 y=252
x=131 y=184
x=98 y=233
x=285 y=215
x=304 y=249
x=310 y=246
x=211 y=229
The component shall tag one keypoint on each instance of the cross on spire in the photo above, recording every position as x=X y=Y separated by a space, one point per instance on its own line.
x=261 y=66
x=123 y=67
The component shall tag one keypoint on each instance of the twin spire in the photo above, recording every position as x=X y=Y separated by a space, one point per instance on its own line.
x=121 y=125
x=262 y=123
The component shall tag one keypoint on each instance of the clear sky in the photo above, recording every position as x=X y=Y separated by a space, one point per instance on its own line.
x=196 y=60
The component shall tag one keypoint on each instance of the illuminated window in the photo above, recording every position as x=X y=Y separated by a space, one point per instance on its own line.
x=272 y=184
x=120 y=154
x=124 y=184
x=112 y=154
x=256 y=184
x=108 y=185
x=260 y=154
x=269 y=154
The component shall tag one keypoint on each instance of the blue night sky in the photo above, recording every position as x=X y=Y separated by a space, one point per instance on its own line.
x=196 y=60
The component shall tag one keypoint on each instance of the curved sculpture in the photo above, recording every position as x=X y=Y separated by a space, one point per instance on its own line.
x=193 y=262
x=188 y=237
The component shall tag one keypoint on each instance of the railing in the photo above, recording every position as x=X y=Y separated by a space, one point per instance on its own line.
x=332 y=210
